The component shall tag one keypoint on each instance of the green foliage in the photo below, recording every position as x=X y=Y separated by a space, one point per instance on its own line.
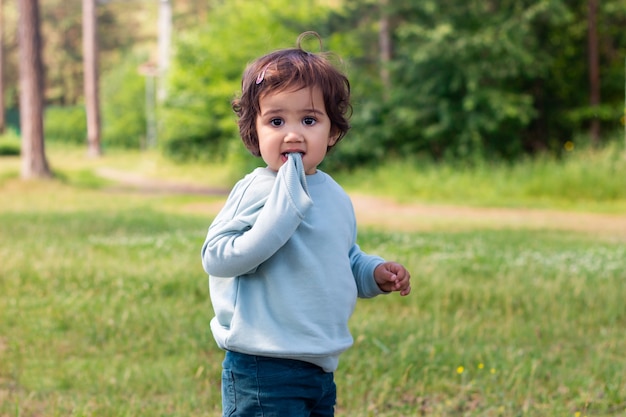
x=469 y=80
x=12 y=118
x=197 y=120
x=9 y=143
x=474 y=80
x=458 y=78
x=9 y=148
x=123 y=98
x=65 y=124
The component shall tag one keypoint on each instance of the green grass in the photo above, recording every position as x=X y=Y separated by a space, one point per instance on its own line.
x=583 y=180
x=104 y=311
x=535 y=320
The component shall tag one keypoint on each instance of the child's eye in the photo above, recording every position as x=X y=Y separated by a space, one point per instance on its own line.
x=309 y=121
x=277 y=122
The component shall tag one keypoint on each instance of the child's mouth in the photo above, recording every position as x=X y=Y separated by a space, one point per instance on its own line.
x=285 y=155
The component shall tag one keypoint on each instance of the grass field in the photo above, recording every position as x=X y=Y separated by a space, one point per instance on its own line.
x=104 y=310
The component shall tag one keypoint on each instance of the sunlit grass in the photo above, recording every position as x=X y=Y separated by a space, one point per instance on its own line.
x=104 y=306
x=501 y=323
x=105 y=312
x=71 y=164
x=584 y=180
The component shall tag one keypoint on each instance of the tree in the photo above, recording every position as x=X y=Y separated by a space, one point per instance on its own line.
x=2 y=112
x=90 y=65
x=594 y=69
x=467 y=79
x=34 y=162
x=164 y=42
x=385 y=48
x=121 y=27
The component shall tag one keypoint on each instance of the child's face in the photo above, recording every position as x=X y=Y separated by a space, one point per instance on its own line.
x=294 y=121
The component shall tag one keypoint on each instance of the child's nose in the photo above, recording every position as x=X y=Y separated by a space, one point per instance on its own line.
x=294 y=136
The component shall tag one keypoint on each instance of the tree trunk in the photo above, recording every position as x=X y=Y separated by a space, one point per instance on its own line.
x=384 y=39
x=2 y=109
x=90 y=70
x=165 y=40
x=34 y=163
x=594 y=69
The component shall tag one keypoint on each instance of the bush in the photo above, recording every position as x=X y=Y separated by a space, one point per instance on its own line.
x=123 y=101
x=65 y=124
x=9 y=143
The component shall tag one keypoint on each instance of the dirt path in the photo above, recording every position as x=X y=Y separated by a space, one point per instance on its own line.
x=129 y=181
x=411 y=217
x=381 y=212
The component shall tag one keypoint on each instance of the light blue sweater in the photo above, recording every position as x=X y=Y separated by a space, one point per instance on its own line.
x=284 y=266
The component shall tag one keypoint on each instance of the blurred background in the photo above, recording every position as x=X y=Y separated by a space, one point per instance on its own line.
x=446 y=80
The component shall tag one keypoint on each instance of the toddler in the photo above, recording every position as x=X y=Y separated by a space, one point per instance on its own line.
x=284 y=267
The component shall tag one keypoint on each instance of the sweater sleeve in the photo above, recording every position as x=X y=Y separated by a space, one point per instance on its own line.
x=363 y=266
x=237 y=244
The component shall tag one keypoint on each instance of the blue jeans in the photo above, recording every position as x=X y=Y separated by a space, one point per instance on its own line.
x=257 y=386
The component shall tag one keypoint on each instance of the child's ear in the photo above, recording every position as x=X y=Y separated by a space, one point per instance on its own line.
x=333 y=138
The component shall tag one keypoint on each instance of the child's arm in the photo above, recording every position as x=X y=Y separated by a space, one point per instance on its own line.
x=237 y=246
x=375 y=276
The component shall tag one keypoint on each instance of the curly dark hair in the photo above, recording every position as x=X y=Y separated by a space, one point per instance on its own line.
x=292 y=69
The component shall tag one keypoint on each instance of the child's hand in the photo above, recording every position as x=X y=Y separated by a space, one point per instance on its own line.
x=391 y=276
